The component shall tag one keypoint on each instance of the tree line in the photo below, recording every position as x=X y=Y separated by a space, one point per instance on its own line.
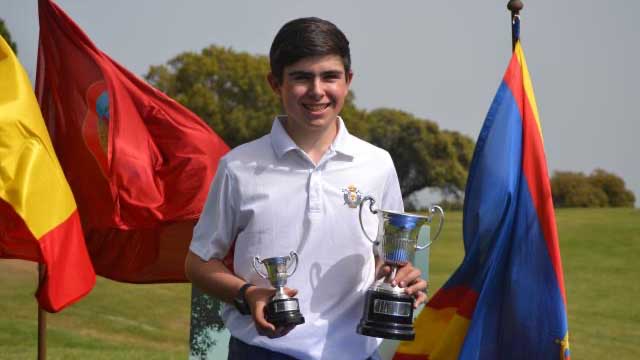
x=229 y=91
x=598 y=189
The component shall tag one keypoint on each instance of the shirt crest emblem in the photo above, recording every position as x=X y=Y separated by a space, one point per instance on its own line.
x=352 y=196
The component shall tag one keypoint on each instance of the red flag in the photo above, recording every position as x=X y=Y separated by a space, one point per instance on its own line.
x=139 y=163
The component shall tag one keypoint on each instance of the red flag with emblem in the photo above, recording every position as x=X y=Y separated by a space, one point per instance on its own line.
x=139 y=164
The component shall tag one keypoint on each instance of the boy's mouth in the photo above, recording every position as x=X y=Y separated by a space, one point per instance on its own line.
x=316 y=107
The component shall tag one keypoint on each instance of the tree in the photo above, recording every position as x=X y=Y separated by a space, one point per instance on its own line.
x=575 y=189
x=229 y=91
x=572 y=189
x=4 y=32
x=423 y=154
x=463 y=148
x=205 y=319
x=614 y=187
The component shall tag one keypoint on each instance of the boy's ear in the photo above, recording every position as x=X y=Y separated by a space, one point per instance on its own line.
x=349 y=77
x=274 y=83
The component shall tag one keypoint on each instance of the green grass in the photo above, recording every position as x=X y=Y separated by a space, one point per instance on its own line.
x=600 y=249
x=120 y=321
x=115 y=321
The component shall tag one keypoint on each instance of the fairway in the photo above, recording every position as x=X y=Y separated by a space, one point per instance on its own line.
x=122 y=321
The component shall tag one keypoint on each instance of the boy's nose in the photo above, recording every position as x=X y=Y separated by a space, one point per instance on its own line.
x=315 y=88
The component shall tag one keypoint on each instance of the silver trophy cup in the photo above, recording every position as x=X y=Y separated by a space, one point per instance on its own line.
x=282 y=309
x=388 y=311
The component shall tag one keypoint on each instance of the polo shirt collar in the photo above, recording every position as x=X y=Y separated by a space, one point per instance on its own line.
x=282 y=142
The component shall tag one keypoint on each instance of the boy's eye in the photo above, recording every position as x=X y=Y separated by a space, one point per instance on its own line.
x=333 y=75
x=301 y=77
x=304 y=77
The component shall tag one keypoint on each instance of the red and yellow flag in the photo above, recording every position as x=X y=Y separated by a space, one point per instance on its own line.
x=38 y=215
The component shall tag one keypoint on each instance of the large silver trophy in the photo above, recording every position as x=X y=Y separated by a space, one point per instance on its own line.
x=282 y=309
x=388 y=311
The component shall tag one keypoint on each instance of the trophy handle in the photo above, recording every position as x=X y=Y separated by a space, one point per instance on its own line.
x=371 y=202
x=294 y=256
x=438 y=209
x=256 y=259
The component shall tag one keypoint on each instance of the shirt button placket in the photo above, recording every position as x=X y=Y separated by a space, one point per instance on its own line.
x=315 y=204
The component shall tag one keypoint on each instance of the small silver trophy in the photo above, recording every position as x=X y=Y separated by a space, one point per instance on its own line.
x=282 y=309
x=388 y=311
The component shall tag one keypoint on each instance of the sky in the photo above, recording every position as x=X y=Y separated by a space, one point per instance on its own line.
x=440 y=60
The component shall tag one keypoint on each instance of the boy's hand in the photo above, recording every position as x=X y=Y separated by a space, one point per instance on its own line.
x=258 y=298
x=408 y=277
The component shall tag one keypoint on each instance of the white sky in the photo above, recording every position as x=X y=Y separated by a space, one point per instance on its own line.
x=441 y=60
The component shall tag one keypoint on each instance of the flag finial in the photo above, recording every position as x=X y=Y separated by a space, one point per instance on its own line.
x=515 y=6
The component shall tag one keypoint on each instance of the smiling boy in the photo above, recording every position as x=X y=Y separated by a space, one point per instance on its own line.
x=285 y=192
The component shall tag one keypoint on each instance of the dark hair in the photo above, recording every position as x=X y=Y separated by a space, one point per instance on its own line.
x=307 y=37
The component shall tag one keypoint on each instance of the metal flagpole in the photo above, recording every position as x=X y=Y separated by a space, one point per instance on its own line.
x=515 y=6
x=42 y=322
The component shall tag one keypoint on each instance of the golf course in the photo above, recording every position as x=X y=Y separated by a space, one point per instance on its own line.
x=124 y=321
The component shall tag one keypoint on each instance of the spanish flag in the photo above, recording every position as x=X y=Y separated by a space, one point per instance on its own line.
x=507 y=299
x=38 y=216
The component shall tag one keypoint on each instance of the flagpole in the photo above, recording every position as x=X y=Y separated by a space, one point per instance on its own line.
x=515 y=6
x=42 y=322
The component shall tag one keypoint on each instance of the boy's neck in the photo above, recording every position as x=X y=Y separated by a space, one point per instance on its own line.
x=314 y=143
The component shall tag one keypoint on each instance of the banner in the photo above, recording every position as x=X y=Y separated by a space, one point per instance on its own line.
x=139 y=164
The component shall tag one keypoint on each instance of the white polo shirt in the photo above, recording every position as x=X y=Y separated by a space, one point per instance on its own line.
x=270 y=198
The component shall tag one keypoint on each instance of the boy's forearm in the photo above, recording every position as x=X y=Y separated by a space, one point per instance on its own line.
x=212 y=277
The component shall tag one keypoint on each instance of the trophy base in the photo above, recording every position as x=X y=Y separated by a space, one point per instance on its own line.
x=284 y=312
x=388 y=316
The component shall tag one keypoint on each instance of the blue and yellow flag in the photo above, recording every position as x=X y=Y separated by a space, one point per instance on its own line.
x=507 y=299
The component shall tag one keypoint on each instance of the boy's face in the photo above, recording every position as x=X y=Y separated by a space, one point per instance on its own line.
x=313 y=91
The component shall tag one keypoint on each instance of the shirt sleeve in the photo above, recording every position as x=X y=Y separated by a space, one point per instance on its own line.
x=392 y=195
x=216 y=229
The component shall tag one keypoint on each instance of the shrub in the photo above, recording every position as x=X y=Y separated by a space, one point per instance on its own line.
x=600 y=189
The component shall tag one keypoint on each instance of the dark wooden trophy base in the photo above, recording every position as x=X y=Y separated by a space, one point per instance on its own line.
x=284 y=312
x=388 y=316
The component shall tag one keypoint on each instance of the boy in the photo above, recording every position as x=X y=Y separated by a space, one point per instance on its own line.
x=287 y=191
